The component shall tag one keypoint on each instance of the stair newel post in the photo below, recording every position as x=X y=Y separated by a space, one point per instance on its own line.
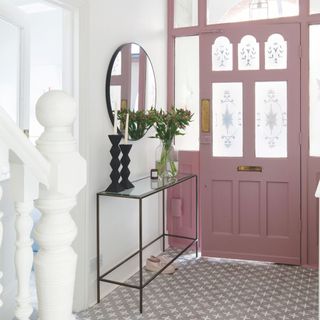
x=1 y=234
x=4 y=175
x=55 y=264
x=25 y=190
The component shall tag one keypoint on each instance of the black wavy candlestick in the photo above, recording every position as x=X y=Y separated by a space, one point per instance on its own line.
x=115 y=186
x=125 y=160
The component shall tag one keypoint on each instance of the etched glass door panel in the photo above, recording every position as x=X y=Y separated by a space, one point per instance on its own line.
x=248 y=53
x=227 y=133
x=271 y=119
x=314 y=91
x=185 y=13
x=276 y=52
x=222 y=55
x=314 y=6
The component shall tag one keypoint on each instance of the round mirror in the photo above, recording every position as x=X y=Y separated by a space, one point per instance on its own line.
x=130 y=83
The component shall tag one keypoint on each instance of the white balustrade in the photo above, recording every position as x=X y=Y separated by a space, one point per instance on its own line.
x=1 y=234
x=61 y=172
x=55 y=264
x=25 y=188
x=4 y=175
x=23 y=259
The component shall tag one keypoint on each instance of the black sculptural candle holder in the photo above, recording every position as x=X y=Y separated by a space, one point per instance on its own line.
x=125 y=160
x=115 y=186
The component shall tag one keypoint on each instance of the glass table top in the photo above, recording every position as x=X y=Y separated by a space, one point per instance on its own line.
x=145 y=187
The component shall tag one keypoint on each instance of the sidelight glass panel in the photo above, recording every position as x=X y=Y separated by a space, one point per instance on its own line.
x=9 y=68
x=271 y=119
x=185 y=13
x=314 y=91
x=248 y=53
x=227 y=133
x=222 y=54
x=187 y=88
x=314 y=6
x=275 y=52
x=247 y=10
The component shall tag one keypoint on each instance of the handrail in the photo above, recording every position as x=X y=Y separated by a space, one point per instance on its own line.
x=16 y=141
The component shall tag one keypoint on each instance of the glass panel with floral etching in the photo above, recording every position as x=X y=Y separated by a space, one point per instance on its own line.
x=271 y=119
x=227 y=133
x=276 y=52
x=222 y=54
x=248 y=53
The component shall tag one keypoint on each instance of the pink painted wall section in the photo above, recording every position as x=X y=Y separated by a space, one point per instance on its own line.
x=181 y=201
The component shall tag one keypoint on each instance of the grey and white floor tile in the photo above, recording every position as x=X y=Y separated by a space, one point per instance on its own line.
x=209 y=289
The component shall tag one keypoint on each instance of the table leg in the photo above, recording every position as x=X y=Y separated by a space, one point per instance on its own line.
x=163 y=222
x=140 y=253
x=98 y=252
x=197 y=242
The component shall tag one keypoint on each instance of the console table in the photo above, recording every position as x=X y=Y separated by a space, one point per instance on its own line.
x=144 y=188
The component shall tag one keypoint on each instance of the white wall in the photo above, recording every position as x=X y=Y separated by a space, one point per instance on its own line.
x=113 y=23
x=108 y=25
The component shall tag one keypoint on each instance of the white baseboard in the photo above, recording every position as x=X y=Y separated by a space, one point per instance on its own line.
x=129 y=271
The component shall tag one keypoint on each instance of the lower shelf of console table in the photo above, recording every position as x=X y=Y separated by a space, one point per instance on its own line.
x=143 y=189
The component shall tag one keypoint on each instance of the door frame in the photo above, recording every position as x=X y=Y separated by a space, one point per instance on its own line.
x=12 y=15
x=305 y=20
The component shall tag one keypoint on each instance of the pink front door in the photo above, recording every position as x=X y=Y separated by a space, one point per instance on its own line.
x=250 y=157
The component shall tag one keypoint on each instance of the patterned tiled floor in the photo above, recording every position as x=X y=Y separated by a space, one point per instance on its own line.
x=209 y=289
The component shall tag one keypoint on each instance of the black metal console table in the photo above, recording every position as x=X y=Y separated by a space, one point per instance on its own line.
x=144 y=188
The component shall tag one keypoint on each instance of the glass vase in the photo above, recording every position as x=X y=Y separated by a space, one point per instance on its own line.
x=166 y=160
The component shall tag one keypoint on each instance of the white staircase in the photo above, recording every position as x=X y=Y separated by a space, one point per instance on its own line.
x=48 y=176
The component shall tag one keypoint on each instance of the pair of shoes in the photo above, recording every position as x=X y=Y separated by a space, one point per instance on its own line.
x=154 y=264
x=163 y=259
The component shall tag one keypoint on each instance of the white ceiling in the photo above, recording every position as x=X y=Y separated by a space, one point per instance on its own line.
x=34 y=6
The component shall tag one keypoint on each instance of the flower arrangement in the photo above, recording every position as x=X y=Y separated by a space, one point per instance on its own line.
x=168 y=125
x=139 y=123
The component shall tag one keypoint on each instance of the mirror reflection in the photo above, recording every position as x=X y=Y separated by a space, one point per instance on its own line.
x=130 y=80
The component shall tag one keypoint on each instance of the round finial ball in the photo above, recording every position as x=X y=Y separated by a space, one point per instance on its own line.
x=56 y=109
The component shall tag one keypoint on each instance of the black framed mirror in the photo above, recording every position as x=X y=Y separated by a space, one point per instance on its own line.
x=130 y=82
